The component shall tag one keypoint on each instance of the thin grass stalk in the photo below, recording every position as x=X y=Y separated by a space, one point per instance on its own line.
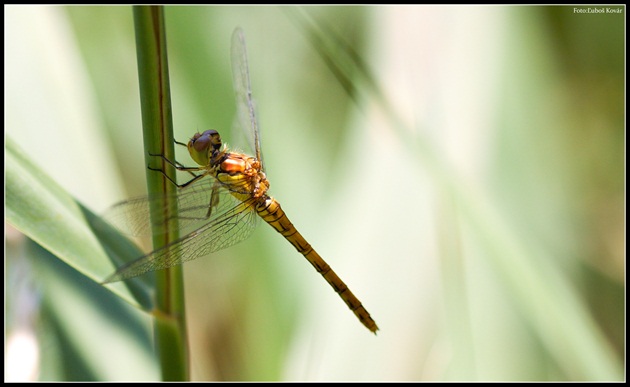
x=170 y=325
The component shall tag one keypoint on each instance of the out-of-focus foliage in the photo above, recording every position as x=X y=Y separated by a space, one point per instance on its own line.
x=469 y=191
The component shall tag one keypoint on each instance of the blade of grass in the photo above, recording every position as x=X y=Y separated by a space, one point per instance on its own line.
x=47 y=214
x=170 y=324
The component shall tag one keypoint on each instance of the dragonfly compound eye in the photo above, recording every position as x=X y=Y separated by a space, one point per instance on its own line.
x=201 y=142
x=204 y=146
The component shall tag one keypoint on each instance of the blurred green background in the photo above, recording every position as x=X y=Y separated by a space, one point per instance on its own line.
x=474 y=201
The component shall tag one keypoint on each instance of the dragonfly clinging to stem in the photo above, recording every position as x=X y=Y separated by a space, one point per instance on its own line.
x=221 y=204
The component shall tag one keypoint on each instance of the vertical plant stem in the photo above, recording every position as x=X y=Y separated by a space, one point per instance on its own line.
x=170 y=324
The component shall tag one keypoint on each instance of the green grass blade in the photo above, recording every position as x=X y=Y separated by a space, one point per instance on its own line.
x=47 y=214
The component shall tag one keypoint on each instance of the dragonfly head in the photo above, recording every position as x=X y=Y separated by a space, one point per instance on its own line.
x=203 y=147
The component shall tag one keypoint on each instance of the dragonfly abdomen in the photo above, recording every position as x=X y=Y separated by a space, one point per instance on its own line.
x=271 y=212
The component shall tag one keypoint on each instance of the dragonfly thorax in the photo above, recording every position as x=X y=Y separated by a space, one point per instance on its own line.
x=241 y=174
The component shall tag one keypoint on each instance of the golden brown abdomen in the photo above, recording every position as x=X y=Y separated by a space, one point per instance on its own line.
x=271 y=212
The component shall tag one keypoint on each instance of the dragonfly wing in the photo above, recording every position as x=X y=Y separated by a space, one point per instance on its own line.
x=228 y=224
x=245 y=109
x=133 y=217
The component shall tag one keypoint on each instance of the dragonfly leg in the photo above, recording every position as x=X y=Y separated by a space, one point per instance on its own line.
x=214 y=198
x=179 y=167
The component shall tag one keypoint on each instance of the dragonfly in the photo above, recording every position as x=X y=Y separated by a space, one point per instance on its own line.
x=222 y=203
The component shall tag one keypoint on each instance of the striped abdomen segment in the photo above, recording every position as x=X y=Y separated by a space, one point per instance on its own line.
x=271 y=212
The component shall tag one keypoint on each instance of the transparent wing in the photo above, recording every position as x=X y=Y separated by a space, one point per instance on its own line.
x=245 y=109
x=133 y=216
x=230 y=221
